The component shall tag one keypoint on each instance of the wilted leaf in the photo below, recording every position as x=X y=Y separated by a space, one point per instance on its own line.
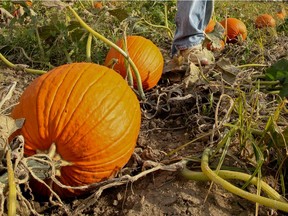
x=229 y=71
x=215 y=40
x=281 y=138
x=9 y=125
x=5 y=13
x=6 y=93
x=54 y=3
x=193 y=77
x=217 y=33
x=175 y=65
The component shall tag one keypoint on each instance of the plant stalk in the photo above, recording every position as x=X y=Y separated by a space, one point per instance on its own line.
x=275 y=204
x=28 y=70
x=252 y=65
x=12 y=196
x=127 y=65
x=113 y=45
x=227 y=174
x=88 y=47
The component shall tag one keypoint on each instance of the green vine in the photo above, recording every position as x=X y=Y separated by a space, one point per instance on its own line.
x=113 y=45
x=214 y=177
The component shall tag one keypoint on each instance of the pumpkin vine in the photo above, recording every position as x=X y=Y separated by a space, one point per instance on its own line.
x=113 y=45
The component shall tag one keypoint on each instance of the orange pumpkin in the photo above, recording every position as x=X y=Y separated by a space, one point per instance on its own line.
x=97 y=5
x=91 y=115
x=146 y=56
x=265 y=20
x=234 y=28
x=210 y=27
x=281 y=14
x=29 y=3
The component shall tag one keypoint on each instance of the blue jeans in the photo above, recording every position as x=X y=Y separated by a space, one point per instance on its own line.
x=191 y=19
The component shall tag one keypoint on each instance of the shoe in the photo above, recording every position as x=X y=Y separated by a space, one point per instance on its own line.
x=196 y=55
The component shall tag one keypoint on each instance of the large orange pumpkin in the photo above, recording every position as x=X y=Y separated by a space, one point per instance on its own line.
x=265 y=20
x=91 y=115
x=234 y=28
x=146 y=56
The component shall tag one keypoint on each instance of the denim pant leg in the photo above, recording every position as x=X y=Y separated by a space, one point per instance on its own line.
x=191 y=19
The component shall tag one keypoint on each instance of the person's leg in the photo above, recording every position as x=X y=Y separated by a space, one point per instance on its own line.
x=191 y=20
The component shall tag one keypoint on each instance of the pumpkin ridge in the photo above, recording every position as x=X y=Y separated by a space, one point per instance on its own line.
x=80 y=101
x=81 y=169
x=148 y=57
x=71 y=87
x=145 y=58
x=122 y=136
x=123 y=150
x=135 y=51
x=57 y=92
x=26 y=130
x=131 y=44
x=49 y=126
x=84 y=121
x=99 y=121
x=146 y=42
x=152 y=80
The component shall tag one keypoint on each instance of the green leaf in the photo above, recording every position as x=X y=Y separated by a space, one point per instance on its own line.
x=48 y=31
x=119 y=13
x=278 y=71
x=283 y=27
x=284 y=90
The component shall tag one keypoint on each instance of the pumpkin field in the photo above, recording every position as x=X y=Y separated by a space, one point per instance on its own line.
x=94 y=120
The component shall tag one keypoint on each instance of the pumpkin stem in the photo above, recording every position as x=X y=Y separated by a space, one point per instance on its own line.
x=52 y=151
x=110 y=43
x=59 y=162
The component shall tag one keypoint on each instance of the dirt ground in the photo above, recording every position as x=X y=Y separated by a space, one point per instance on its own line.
x=158 y=193
x=163 y=193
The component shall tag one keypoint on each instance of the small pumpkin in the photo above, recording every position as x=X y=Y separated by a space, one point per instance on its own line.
x=29 y=3
x=92 y=116
x=210 y=27
x=234 y=28
x=281 y=14
x=146 y=56
x=97 y=5
x=265 y=20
